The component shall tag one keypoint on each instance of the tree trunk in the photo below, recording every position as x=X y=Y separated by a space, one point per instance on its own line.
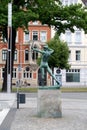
x=4 y=85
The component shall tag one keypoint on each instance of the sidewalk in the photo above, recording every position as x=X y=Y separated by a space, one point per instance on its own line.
x=6 y=102
x=74 y=117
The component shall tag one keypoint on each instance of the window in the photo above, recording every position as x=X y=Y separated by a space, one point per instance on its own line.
x=4 y=39
x=15 y=55
x=73 y=75
x=4 y=54
x=3 y=70
x=26 y=36
x=69 y=55
x=68 y=37
x=35 y=35
x=1 y=35
x=14 y=73
x=17 y=37
x=27 y=73
x=34 y=54
x=26 y=55
x=78 y=37
x=25 y=5
x=78 y=55
x=43 y=36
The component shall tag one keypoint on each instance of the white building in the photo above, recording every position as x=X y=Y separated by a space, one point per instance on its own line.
x=77 y=42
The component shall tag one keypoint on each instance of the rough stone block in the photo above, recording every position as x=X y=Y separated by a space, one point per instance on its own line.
x=49 y=103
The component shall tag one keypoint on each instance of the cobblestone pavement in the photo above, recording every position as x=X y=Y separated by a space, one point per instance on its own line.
x=74 y=117
x=75 y=120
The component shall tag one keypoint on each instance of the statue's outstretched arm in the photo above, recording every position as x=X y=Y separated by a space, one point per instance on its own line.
x=37 y=50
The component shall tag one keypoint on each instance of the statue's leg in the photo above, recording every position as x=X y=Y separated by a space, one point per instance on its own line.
x=53 y=76
x=42 y=72
x=42 y=76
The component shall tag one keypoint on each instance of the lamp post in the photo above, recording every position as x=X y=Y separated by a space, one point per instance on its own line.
x=9 y=54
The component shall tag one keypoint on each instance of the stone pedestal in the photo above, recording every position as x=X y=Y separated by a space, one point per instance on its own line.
x=49 y=103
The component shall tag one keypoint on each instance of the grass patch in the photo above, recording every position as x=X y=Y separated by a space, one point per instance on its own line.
x=74 y=89
x=28 y=90
x=63 y=89
x=32 y=90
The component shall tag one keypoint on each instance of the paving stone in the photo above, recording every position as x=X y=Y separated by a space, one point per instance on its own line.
x=74 y=117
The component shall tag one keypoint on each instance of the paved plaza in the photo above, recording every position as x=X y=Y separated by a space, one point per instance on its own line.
x=74 y=115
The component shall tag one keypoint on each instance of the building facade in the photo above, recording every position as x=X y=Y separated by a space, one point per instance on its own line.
x=25 y=68
x=77 y=43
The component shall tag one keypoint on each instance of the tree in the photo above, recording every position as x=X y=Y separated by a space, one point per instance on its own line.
x=48 y=12
x=61 y=53
x=59 y=58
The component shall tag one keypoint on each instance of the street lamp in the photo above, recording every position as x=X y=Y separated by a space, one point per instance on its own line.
x=9 y=47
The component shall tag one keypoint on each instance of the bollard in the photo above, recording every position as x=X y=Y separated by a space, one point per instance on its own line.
x=17 y=100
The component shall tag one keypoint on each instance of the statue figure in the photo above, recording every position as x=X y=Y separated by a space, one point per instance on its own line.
x=46 y=52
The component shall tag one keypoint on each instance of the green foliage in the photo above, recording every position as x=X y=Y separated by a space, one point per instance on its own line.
x=61 y=53
x=48 y=12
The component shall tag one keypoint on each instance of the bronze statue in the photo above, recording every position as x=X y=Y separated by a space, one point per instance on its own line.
x=46 y=52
